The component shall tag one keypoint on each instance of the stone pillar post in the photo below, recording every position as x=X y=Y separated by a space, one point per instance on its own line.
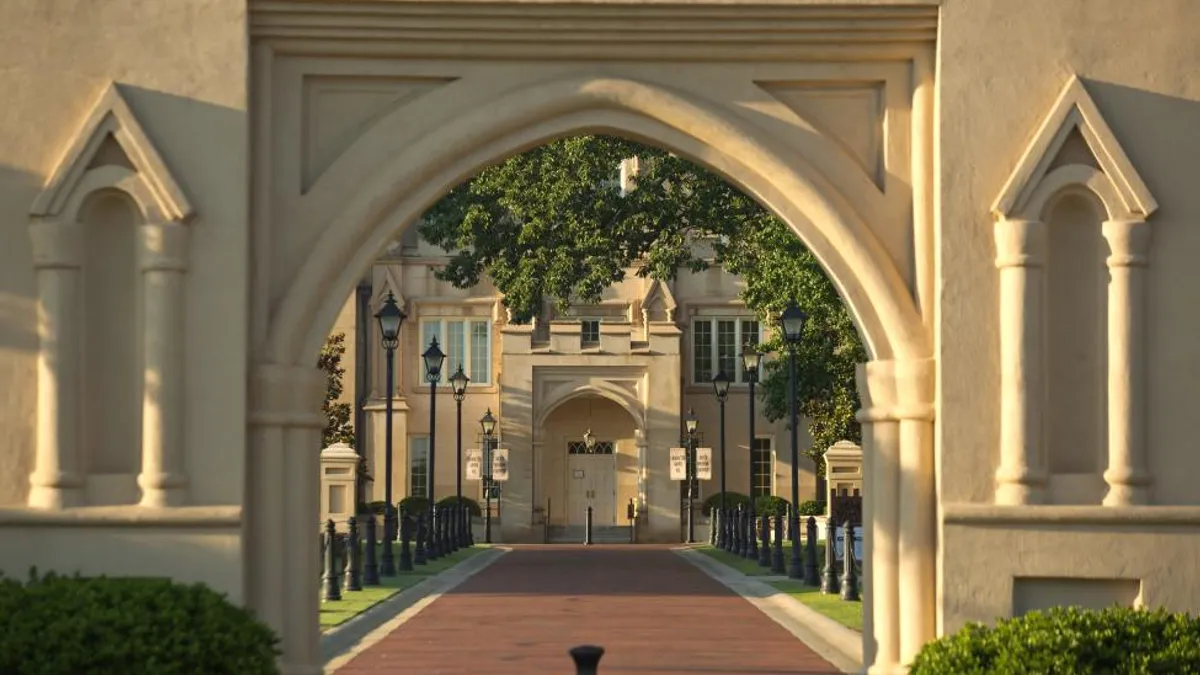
x=881 y=504
x=286 y=424
x=163 y=260
x=1020 y=257
x=918 y=506
x=1127 y=477
x=57 y=478
x=643 y=453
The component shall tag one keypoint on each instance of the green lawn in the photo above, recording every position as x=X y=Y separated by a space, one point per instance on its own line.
x=847 y=613
x=750 y=567
x=353 y=603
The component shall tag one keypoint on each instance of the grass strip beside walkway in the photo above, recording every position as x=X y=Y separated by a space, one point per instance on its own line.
x=751 y=567
x=336 y=612
x=847 y=613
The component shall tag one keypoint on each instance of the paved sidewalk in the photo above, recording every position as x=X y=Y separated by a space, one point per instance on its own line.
x=652 y=611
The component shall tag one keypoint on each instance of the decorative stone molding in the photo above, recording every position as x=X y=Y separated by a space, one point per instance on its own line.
x=1020 y=256
x=110 y=151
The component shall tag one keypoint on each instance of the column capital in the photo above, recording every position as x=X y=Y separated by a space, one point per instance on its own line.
x=1020 y=243
x=896 y=390
x=56 y=244
x=287 y=396
x=163 y=247
x=1128 y=242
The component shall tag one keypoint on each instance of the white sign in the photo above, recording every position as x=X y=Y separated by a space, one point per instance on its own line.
x=500 y=464
x=473 y=459
x=840 y=543
x=678 y=463
x=704 y=463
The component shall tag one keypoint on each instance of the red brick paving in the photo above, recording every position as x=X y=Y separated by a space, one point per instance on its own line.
x=652 y=611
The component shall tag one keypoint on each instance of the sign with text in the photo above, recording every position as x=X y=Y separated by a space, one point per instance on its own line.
x=473 y=461
x=704 y=463
x=500 y=464
x=840 y=543
x=678 y=463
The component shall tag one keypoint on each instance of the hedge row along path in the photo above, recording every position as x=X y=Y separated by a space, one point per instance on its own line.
x=652 y=611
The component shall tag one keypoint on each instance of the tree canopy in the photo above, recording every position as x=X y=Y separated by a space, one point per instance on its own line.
x=553 y=224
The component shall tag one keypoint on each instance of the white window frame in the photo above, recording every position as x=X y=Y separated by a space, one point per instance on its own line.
x=448 y=367
x=583 y=331
x=412 y=455
x=738 y=376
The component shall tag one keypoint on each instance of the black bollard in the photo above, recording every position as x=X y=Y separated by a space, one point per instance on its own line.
x=587 y=659
x=849 y=575
x=387 y=561
x=829 y=580
x=419 y=555
x=810 y=553
x=745 y=531
x=764 y=551
x=433 y=548
x=723 y=533
x=753 y=528
x=587 y=527
x=329 y=587
x=777 y=554
x=353 y=556
x=406 y=558
x=470 y=528
x=370 y=567
x=449 y=540
x=714 y=522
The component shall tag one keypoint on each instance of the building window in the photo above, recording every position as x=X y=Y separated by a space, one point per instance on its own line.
x=418 y=465
x=717 y=345
x=763 y=463
x=580 y=448
x=590 y=331
x=465 y=341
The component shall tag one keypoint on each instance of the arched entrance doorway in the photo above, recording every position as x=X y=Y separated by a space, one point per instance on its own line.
x=351 y=150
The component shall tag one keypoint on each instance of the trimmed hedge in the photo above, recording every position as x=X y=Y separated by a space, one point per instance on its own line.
x=1070 y=641
x=472 y=505
x=413 y=505
x=732 y=500
x=812 y=507
x=58 y=625
x=770 y=505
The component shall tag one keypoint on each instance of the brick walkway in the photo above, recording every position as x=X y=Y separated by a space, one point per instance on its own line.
x=652 y=611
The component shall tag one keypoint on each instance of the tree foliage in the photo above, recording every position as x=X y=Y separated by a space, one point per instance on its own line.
x=552 y=224
x=339 y=427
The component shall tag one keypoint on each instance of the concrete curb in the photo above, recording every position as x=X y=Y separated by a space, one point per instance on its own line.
x=835 y=643
x=346 y=641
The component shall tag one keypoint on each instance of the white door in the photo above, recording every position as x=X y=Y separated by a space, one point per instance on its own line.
x=591 y=481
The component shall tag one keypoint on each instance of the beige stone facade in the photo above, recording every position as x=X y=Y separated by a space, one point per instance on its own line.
x=628 y=368
x=1003 y=192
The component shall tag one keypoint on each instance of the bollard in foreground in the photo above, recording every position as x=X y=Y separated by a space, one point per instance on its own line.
x=764 y=551
x=777 y=554
x=587 y=659
x=370 y=567
x=714 y=523
x=329 y=587
x=810 y=563
x=353 y=580
x=587 y=527
x=829 y=580
x=419 y=555
x=406 y=559
x=849 y=577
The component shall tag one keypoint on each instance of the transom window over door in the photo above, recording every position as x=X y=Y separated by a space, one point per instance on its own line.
x=717 y=345
x=580 y=448
x=465 y=341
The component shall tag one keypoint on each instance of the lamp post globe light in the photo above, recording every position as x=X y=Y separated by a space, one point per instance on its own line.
x=689 y=423
x=433 y=357
x=750 y=362
x=390 y=318
x=721 y=384
x=488 y=425
x=459 y=382
x=792 y=323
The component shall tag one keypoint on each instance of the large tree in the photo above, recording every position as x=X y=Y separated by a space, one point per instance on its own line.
x=554 y=224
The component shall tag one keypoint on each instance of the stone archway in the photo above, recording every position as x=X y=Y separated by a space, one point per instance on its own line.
x=316 y=231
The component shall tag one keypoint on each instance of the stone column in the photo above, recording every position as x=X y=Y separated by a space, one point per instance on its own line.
x=643 y=452
x=1020 y=257
x=1127 y=476
x=918 y=504
x=57 y=478
x=282 y=506
x=163 y=259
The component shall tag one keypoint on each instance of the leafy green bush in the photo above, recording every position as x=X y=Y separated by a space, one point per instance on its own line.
x=770 y=505
x=414 y=505
x=812 y=507
x=58 y=625
x=472 y=505
x=732 y=500
x=375 y=507
x=1070 y=641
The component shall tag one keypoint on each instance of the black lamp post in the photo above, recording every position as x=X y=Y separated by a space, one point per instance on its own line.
x=390 y=317
x=750 y=361
x=689 y=424
x=488 y=425
x=433 y=372
x=459 y=381
x=792 y=323
x=721 y=389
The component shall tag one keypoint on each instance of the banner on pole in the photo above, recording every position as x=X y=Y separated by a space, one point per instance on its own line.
x=839 y=544
x=500 y=464
x=678 y=463
x=704 y=463
x=473 y=461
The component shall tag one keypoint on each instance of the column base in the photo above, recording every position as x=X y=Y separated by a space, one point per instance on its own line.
x=1022 y=491
x=62 y=491
x=1130 y=491
x=162 y=490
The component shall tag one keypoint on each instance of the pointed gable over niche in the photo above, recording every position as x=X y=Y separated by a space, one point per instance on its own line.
x=658 y=304
x=390 y=283
x=111 y=136
x=1074 y=117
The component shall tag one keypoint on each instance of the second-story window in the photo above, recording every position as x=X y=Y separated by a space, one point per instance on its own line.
x=466 y=341
x=590 y=331
x=717 y=345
